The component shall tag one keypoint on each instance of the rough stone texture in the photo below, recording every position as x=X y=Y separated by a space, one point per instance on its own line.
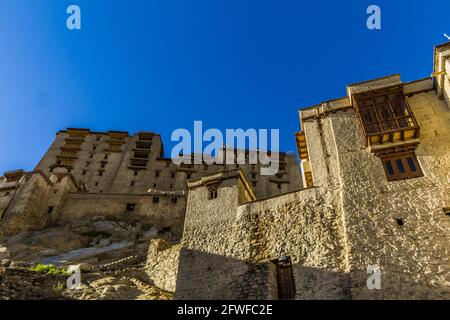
x=334 y=231
x=162 y=264
x=217 y=240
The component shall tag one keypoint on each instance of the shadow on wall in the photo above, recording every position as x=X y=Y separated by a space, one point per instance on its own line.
x=205 y=276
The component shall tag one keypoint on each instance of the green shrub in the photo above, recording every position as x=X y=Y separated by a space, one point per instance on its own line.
x=49 y=269
x=58 y=287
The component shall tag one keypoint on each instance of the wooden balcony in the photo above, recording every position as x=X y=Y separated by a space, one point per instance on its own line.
x=385 y=117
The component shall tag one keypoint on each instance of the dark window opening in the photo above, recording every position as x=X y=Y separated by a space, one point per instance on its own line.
x=135 y=172
x=399 y=166
x=155 y=200
x=400 y=221
x=50 y=209
x=212 y=195
x=188 y=176
x=172 y=175
x=100 y=173
x=131 y=206
x=84 y=172
x=157 y=174
x=171 y=186
x=173 y=200
x=285 y=279
x=132 y=183
x=411 y=164
x=446 y=211
x=388 y=166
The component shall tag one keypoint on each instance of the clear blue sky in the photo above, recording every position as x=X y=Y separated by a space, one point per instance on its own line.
x=159 y=65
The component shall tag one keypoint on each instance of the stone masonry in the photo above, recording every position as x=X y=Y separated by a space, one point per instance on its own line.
x=373 y=191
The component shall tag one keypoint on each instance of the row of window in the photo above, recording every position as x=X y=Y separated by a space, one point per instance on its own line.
x=155 y=200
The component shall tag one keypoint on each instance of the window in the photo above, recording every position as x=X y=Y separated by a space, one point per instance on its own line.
x=131 y=206
x=155 y=200
x=172 y=175
x=83 y=173
x=171 y=186
x=156 y=174
x=135 y=172
x=212 y=195
x=103 y=164
x=188 y=176
x=401 y=166
x=50 y=209
x=106 y=156
x=253 y=175
x=100 y=173
x=132 y=183
x=173 y=200
x=384 y=115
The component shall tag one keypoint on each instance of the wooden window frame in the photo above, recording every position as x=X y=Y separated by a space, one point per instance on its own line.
x=400 y=166
x=384 y=115
x=212 y=195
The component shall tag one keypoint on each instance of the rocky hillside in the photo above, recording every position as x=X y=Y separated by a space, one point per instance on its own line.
x=118 y=260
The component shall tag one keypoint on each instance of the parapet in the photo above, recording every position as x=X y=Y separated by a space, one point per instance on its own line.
x=213 y=180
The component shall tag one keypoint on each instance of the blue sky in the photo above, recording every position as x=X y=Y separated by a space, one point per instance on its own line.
x=158 y=65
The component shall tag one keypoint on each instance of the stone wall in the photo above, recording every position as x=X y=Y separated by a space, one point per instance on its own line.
x=306 y=226
x=414 y=258
x=28 y=209
x=162 y=264
x=164 y=214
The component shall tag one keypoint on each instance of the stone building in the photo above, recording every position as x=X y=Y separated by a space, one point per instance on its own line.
x=375 y=168
x=86 y=176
